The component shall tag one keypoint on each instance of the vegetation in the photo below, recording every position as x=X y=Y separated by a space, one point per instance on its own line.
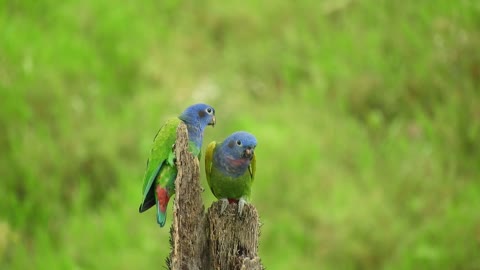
x=367 y=115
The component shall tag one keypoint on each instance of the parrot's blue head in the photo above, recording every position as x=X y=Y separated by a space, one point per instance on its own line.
x=240 y=145
x=197 y=117
x=200 y=115
x=236 y=153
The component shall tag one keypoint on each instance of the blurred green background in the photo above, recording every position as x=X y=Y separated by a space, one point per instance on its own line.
x=367 y=115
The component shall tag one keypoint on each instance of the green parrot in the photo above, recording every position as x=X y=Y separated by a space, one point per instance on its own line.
x=230 y=168
x=159 y=179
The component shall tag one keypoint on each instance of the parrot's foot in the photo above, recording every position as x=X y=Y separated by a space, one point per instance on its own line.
x=241 y=203
x=172 y=158
x=224 y=205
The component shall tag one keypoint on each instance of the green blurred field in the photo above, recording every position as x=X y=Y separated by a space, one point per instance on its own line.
x=367 y=115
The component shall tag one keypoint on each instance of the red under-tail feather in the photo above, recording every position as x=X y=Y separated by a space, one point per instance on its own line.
x=162 y=202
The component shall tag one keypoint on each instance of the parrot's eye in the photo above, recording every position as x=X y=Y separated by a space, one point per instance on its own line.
x=209 y=110
x=239 y=143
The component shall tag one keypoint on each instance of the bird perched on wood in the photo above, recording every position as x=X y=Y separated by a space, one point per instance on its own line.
x=230 y=168
x=159 y=179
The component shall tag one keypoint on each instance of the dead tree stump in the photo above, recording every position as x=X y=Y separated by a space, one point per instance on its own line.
x=188 y=235
x=233 y=240
x=208 y=241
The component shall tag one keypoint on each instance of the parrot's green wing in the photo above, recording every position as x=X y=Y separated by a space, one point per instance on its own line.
x=162 y=151
x=253 y=167
x=208 y=160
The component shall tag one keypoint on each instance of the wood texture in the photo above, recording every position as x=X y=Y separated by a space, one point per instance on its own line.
x=233 y=240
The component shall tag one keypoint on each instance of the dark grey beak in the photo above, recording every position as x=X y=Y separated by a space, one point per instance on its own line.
x=212 y=123
x=248 y=153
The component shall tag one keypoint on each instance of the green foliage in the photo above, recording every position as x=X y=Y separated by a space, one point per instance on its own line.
x=367 y=115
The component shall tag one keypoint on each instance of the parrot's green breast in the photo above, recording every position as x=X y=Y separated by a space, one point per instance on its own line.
x=224 y=186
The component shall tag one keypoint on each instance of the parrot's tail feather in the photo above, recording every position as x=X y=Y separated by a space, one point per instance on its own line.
x=162 y=202
x=146 y=204
x=161 y=218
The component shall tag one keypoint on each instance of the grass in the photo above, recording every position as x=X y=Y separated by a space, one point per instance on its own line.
x=367 y=115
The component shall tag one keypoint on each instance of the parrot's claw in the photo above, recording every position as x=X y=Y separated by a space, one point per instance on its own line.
x=241 y=203
x=224 y=205
x=202 y=189
x=172 y=159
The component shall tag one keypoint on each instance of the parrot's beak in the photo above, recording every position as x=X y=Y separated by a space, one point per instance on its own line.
x=212 y=122
x=248 y=153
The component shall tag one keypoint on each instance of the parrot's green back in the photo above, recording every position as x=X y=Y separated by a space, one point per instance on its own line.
x=162 y=154
x=224 y=186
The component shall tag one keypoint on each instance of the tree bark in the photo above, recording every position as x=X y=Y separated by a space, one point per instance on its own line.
x=188 y=235
x=208 y=241
x=233 y=239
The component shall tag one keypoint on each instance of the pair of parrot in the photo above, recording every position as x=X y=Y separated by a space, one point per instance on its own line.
x=229 y=165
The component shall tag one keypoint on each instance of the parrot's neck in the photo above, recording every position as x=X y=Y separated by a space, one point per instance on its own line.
x=195 y=134
x=230 y=165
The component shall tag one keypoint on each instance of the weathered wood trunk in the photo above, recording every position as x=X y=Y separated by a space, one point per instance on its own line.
x=208 y=241
x=188 y=234
x=233 y=240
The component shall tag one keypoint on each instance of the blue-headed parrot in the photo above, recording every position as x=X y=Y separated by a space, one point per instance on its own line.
x=230 y=168
x=159 y=179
